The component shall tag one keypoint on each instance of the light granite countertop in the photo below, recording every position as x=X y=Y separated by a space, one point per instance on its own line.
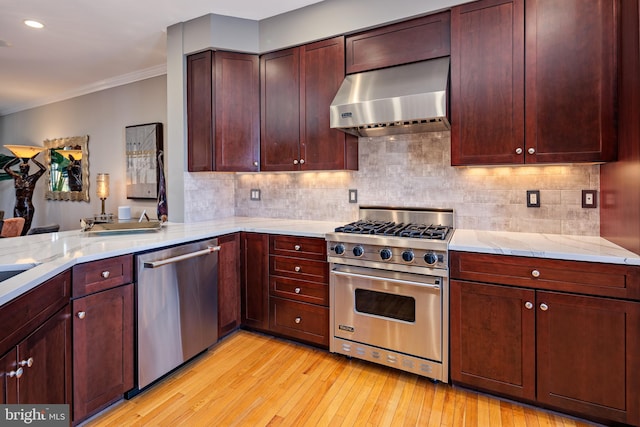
x=45 y=255
x=539 y=245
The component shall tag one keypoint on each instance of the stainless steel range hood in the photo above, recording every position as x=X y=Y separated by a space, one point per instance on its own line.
x=404 y=99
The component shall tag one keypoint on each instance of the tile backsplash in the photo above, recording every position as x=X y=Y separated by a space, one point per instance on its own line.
x=408 y=170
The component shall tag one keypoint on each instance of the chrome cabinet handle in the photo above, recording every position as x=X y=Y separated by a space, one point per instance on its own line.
x=544 y=307
x=105 y=274
x=297 y=247
x=531 y=150
x=518 y=150
x=81 y=314
x=17 y=373
x=28 y=362
x=297 y=290
x=298 y=319
x=302 y=161
x=295 y=161
x=535 y=273
x=528 y=305
x=297 y=268
x=255 y=163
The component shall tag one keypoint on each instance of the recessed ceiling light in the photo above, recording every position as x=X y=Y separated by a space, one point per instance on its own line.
x=33 y=24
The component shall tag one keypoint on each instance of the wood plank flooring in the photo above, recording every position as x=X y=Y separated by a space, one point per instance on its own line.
x=250 y=379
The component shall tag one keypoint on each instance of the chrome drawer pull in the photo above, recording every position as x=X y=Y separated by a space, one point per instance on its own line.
x=296 y=290
x=528 y=305
x=81 y=314
x=297 y=269
x=296 y=247
x=544 y=307
x=17 y=373
x=298 y=319
x=105 y=274
x=28 y=362
x=535 y=273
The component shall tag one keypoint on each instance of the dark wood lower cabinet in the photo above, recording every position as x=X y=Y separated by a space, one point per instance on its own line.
x=255 y=280
x=103 y=349
x=38 y=369
x=493 y=338
x=228 y=284
x=587 y=352
x=573 y=353
x=300 y=320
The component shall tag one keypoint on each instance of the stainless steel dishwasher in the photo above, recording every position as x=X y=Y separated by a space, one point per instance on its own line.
x=177 y=307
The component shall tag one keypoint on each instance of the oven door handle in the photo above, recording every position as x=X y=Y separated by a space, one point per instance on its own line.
x=386 y=279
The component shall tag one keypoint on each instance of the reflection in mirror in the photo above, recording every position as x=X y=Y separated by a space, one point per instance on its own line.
x=67 y=162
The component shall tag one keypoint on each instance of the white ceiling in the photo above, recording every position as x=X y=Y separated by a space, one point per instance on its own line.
x=89 y=43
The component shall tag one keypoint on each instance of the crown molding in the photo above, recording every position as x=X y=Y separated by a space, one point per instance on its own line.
x=93 y=87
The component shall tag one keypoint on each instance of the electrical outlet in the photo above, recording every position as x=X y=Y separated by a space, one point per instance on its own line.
x=533 y=198
x=353 y=196
x=255 y=194
x=589 y=199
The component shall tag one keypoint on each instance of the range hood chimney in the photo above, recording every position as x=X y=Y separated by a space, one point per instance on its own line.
x=408 y=98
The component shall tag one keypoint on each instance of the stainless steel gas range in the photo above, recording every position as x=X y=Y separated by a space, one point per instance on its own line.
x=389 y=289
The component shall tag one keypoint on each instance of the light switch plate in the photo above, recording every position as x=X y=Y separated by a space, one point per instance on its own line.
x=353 y=196
x=589 y=199
x=533 y=198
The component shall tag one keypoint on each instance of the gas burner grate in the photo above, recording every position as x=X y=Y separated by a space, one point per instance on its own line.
x=391 y=228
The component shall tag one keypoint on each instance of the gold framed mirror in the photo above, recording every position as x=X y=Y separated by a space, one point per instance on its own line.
x=67 y=163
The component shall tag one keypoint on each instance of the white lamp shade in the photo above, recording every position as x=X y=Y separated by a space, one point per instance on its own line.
x=102 y=185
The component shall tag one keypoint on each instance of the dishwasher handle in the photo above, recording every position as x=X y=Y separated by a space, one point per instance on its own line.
x=160 y=263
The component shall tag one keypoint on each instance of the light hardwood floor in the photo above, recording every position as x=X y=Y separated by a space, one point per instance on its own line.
x=250 y=379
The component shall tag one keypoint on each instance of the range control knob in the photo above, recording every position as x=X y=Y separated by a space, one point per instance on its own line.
x=339 y=249
x=407 y=255
x=430 y=258
x=358 y=250
x=385 y=254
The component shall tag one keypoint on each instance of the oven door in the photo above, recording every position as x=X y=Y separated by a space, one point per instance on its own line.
x=392 y=310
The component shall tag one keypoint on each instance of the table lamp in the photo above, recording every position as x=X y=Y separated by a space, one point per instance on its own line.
x=102 y=189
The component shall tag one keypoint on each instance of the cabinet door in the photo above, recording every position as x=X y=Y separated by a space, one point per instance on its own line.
x=571 y=80
x=492 y=330
x=280 y=110
x=487 y=82
x=588 y=355
x=237 y=112
x=200 y=123
x=103 y=349
x=322 y=73
x=228 y=284
x=45 y=357
x=9 y=384
x=255 y=280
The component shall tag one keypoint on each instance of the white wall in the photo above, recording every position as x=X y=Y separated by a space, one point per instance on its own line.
x=101 y=115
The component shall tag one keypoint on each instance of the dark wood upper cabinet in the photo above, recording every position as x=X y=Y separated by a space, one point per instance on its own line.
x=297 y=87
x=223 y=112
x=408 y=41
x=487 y=82
x=571 y=80
x=546 y=94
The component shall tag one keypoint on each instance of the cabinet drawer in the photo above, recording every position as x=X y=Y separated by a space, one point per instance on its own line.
x=612 y=280
x=410 y=41
x=300 y=320
x=301 y=269
x=311 y=292
x=24 y=314
x=99 y=275
x=299 y=247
